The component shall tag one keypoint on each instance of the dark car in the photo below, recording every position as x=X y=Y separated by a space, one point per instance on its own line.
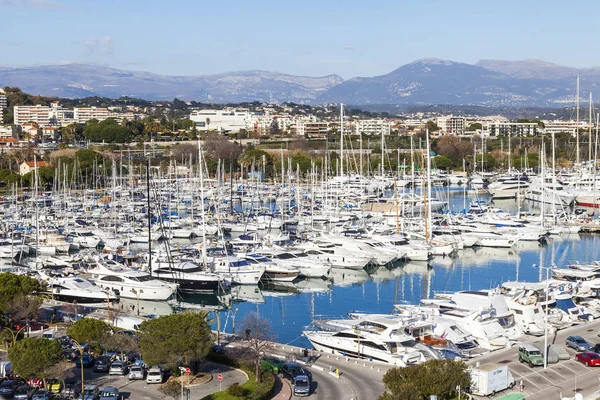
x=25 y=392
x=299 y=377
x=9 y=386
x=42 y=395
x=102 y=364
x=86 y=359
x=71 y=389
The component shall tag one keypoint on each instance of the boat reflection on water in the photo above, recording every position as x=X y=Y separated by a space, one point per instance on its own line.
x=417 y=268
x=203 y=301
x=383 y=273
x=248 y=293
x=147 y=308
x=347 y=277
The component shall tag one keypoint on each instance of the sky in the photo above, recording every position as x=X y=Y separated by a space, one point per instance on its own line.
x=307 y=37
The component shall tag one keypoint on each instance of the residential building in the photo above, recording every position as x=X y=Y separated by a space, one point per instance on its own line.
x=84 y=114
x=224 y=121
x=451 y=125
x=38 y=114
x=3 y=104
x=512 y=128
x=6 y=131
x=29 y=166
x=30 y=130
x=312 y=129
x=563 y=126
x=373 y=127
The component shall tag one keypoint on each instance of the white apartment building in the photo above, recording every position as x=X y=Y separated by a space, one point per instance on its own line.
x=60 y=116
x=563 y=126
x=3 y=104
x=6 y=131
x=84 y=114
x=512 y=128
x=373 y=127
x=224 y=121
x=38 y=114
x=451 y=125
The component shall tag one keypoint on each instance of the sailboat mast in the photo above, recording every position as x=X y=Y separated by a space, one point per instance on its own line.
x=590 y=130
x=577 y=121
x=341 y=139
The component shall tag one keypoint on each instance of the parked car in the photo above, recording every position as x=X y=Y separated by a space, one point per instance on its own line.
x=271 y=363
x=42 y=395
x=531 y=355
x=30 y=325
x=136 y=371
x=117 y=368
x=578 y=343
x=299 y=377
x=154 y=375
x=9 y=386
x=90 y=392
x=110 y=393
x=588 y=358
x=24 y=392
x=54 y=385
x=102 y=364
x=86 y=359
x=71 y=389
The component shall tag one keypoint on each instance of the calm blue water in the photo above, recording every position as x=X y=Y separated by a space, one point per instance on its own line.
x=377 y=291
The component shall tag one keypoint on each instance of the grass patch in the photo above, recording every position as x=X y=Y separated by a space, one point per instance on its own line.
x=248 y=390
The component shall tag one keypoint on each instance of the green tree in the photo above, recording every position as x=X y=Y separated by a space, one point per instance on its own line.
x=35 y=357
x=419 y=382
x=171 y=339
x=90 y=330
x=443 y=162
x=171 y=389
x=15 y=292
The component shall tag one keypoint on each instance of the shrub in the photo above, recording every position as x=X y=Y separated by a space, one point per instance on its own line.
x=237 y=390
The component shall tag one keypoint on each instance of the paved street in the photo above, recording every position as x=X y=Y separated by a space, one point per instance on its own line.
x=564 y=378
x=142 y=390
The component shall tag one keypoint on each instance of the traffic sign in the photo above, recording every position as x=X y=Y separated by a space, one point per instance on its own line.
x=187 y=371
x=220 y=377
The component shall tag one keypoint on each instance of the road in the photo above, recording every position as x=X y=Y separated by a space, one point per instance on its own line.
x=142 y=390
x=563 y=379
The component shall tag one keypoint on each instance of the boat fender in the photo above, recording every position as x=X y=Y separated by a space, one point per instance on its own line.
x=570 y=287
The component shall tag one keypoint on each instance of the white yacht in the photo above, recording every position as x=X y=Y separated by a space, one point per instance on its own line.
x=190 y=276
x=380 y=339
x=273 y=271
x=240 y=270
x=336 y=255
x=551 y=193
x=298 y=260
x=129 y=283
x=76 y=288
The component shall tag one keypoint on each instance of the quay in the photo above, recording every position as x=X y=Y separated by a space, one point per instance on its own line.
x=362 y=378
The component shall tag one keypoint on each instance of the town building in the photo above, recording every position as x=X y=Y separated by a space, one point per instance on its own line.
x=223 y=121
x=29 y=166
x=373 y=127
x=451 y=125
x=512 y=128
x=37 y=114
x=6 y=131
x=84 y=114
x=3 y=104
x=551 y=127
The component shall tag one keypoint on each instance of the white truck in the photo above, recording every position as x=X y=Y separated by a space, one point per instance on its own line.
x=490 y=379
x=5 y=368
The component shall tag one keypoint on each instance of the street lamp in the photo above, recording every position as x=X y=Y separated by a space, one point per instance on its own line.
x=458 y=390
x=548 y=269
x=14 y=334
x=80 y=362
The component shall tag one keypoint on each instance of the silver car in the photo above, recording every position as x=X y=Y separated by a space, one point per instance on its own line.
x=117 y=368
x=136 y=372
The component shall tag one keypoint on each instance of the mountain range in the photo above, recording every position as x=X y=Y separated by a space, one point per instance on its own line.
x=428 y=81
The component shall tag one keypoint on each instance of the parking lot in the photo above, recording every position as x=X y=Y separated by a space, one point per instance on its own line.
x=562 y=379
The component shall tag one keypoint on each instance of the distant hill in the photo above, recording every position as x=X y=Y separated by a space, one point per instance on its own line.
x=77 y=80
x=488 y=83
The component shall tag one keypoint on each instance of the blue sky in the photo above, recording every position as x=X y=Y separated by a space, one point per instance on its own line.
x=349 y=38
